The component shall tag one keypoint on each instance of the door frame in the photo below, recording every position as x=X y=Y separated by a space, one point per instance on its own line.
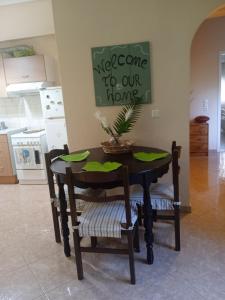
x=221 y=53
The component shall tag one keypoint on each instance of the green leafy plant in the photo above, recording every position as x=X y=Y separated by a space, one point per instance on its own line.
x=124 y=122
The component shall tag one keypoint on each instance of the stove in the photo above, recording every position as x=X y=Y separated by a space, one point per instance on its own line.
x=28 y=131
x=29 y=149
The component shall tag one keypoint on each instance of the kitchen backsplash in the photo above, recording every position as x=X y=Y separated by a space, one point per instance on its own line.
x=23 y=111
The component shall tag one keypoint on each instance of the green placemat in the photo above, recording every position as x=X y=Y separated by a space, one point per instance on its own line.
x=149 y=156
x=95 y=166
x=75 y=156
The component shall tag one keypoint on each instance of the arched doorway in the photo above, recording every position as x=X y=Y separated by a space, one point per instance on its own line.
x=208 y=44
x=207 y=48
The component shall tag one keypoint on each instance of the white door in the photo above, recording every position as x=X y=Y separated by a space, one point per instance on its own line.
x=56 y=133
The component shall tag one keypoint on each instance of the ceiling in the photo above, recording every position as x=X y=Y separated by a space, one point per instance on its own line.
x=8 y=2
x=220 y=12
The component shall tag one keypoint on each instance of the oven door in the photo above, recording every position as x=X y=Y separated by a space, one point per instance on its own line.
x=28 y=157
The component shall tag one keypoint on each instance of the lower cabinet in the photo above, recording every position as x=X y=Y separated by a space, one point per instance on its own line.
x=199 y=138
x=6 y=169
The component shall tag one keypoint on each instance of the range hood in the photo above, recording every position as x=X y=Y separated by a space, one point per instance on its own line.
x=28 y=88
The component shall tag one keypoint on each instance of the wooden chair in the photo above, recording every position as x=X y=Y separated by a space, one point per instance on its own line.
x=103 y=216
x=165 y=197
x=49 y=157
x=55 y=205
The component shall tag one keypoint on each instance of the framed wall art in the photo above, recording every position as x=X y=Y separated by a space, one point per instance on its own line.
x=121 y=74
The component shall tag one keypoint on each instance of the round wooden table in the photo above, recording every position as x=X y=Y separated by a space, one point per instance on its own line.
x=143 y=173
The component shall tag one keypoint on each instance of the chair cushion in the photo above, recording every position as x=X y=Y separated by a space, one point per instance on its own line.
x=80 y=203
x=119 y=190
x=104 y=219
x=161 y=196
x=136 y=194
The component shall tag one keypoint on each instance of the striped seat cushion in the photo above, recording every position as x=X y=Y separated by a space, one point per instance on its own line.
x=79 y=203
x=120 y=190
x=104 y=219
x=161 y=196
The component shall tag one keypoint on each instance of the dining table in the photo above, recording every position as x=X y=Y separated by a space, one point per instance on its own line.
x=141 y=173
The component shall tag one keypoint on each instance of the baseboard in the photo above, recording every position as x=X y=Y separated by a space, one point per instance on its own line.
x=185 y=209
x=33 y=182
x=8 y=180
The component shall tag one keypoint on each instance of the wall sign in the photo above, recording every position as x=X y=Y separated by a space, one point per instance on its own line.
x=121 y=74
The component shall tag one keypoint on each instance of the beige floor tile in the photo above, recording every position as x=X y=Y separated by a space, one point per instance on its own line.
x=10 y=260
x=210 y=286
x=53 y=271
x=43 y=297
x=20 y=285
x=39 y=247
x=71 y=292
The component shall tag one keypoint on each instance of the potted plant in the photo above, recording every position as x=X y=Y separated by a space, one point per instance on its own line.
x=123 y=123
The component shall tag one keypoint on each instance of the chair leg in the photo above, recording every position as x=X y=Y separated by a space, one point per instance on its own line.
x=94 y=241
x=56 y=223
x=131 y=256
x=177 y=228
x=139 y=207
x=154 y=215
x=78 y=256
x=136 y=238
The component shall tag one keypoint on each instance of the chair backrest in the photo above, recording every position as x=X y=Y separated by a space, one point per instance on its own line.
x=119 y=178
x=49 y=157
x=176 y=152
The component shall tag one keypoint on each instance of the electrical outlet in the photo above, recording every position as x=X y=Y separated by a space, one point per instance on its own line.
x=155 y=113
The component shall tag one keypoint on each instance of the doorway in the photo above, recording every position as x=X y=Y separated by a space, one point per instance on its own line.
x=221 y=104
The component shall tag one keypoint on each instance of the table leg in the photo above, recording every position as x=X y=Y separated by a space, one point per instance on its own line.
x=148 y=224
x=64 y=219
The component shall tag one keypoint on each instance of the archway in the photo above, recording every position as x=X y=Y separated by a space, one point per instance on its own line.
x=207 y=44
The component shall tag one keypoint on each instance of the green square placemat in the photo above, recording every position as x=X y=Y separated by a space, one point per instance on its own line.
x=149 y=156
x=95 y=166
x=75 y=156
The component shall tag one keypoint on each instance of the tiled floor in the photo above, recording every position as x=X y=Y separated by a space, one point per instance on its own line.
x=33 y=266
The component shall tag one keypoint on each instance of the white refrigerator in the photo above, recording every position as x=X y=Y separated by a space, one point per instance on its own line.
x=54 y=117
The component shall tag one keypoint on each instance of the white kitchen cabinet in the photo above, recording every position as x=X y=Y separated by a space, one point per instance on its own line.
x=29 y=69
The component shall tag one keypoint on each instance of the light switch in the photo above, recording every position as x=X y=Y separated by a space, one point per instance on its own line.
x=205 y=105
x=155 y=113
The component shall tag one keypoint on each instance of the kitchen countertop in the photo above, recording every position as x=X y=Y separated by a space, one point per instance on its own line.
x=12 y=130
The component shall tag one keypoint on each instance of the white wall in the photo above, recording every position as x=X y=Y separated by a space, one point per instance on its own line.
x=26 y=20
x=169 y=26
x=207 y=43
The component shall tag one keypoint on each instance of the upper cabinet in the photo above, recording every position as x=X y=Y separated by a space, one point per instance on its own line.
x=29 y=69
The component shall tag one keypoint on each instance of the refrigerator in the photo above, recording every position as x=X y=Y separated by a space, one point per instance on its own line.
x=54 y=117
